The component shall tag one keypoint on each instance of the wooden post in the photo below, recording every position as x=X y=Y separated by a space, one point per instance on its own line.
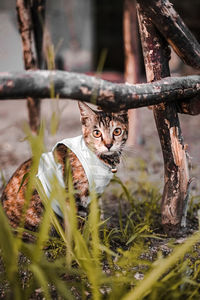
x=132 y=66
x=156 y=56
x=31 y=21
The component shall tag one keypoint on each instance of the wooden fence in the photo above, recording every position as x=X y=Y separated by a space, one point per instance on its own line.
x=160 y=26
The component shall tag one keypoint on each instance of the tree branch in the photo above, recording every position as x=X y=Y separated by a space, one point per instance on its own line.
x=31 y=23
x=172 y=27
x=26 y=30
x=108 y=95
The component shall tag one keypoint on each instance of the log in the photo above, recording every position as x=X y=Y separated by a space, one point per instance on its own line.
x=176 y=178
x=108 y=95
x=172 y=27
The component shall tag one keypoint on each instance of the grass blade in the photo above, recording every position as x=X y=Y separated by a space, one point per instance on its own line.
x=162 y=266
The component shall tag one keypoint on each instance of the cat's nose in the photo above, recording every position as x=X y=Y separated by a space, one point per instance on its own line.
x=108 y=146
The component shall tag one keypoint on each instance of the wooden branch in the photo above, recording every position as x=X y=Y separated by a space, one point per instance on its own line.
x=26 y=31
x=25 y=11
x=108 y=95
x=172 y=27
x=169 y=23
x=156 y=55
x=189 y=107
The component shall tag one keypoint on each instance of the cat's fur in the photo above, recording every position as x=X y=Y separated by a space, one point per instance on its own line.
x=107 y=147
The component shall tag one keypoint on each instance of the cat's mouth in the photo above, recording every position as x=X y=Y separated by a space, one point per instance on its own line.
x=109 y=152
x=113 y=151
x=112 y=159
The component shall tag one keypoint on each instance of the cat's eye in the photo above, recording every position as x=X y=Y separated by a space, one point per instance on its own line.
x=117 y=131
x=97 y=133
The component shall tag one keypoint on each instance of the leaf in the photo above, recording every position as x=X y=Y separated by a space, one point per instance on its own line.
x=2 y=178
x=22 y=182
x=134 y=236
x=8 y=246
x=162 y=265
x=126 y=191
x=41 y=279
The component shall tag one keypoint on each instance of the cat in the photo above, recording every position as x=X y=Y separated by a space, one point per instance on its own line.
x=103 y=138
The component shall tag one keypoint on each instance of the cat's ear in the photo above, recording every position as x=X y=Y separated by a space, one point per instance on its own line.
x=85 y=111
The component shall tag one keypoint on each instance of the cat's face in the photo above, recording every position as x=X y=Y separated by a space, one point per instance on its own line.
x=104 y=133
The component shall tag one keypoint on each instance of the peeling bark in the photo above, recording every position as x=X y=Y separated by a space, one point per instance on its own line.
x=108 y=95
x=26 y=32
x=172 y=27
x=189 y=107
x=30 y=19
x=156 y=56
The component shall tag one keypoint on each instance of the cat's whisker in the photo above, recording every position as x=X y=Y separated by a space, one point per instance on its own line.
x=124 y=157
x=129 y=147
x=130 y=151
x=124 y=161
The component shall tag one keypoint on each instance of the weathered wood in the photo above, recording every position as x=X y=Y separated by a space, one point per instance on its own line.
x=110 y=96
x=131 y=65
x=156 y=56
x=30 y=19
x=189 y=107
x=26 y=30
x=172 y=27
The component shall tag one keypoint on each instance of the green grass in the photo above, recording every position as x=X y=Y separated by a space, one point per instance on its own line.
x=124 y=257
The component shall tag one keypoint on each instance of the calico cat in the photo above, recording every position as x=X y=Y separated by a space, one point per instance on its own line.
x=92 y=156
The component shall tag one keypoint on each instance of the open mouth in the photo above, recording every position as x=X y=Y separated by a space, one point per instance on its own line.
x=109 y=152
